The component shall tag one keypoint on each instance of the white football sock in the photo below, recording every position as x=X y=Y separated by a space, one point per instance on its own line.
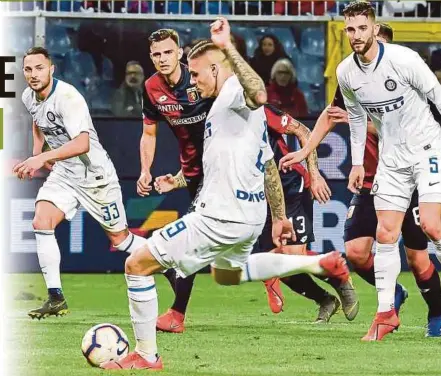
x=131 y=243
x=263 y=266
x=49 y=257
x=387 y=266
x=437 y=244
x=143 y=304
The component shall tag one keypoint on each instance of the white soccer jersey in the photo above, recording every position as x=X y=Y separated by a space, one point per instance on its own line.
x=392 y=90
x=235 y=151
x=62 y=116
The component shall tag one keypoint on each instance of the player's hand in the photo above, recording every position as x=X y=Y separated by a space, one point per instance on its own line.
x=49 y=165
x=337 y=115
x=220 y=33
x=356 y=178
x=143 y=185
x=292 y=158
x=164 y=184
x=320 y=189
x=29 y=167
x=282 y=231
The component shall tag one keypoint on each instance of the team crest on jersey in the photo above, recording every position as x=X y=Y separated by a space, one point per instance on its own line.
x=390 y=84
x=50 y=116
x=193 y=94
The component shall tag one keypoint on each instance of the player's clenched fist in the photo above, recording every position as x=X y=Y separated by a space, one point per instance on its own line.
x=220 y=33
x=165 y=183
x=143 y=186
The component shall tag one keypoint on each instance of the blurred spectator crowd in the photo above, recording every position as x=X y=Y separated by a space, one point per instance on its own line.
x=396 y=8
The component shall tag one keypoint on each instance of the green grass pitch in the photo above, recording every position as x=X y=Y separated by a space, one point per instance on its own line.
x=230 y=331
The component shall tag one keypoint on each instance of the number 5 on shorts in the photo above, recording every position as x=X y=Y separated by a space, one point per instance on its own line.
x=433 y=165
x=110 y=212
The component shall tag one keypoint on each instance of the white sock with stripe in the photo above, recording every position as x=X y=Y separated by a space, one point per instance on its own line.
x=387 y=266
x=143 y=304
x=263 y=266
x=49 y=257
x=131 y=243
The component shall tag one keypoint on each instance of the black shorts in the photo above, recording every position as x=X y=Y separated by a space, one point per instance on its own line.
x=194 y=185
x=361 y=221
x=299 y=209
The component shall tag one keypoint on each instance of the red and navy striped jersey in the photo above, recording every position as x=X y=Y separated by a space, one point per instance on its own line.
x=370 y=161
x=185 y=112
x=295 y=180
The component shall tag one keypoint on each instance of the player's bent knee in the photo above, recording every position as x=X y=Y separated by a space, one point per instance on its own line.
x=386 y=234
x=226 y=277
x=142 y=262
x=42 y=223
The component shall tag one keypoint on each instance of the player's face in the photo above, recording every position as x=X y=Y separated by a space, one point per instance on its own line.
x=165 y=55
x=38 y=71
x=203 y=76
x=361 y=32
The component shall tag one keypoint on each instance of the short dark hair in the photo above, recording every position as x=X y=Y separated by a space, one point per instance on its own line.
x=201 y=48
x=386 y=32
x=359 y=8
x=163 y=34
x=38 y=51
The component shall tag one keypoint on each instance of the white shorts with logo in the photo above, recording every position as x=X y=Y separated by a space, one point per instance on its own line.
x=104 y=203
x=195 y=241
x=395 y=186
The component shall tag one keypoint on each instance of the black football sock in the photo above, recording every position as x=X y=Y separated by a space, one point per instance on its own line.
x=183 y=292
x=170 y=274
x=304 y=285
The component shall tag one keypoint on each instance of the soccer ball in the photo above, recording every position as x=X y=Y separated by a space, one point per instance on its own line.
x=104 y=342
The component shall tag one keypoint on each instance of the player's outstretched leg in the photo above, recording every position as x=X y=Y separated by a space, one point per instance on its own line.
x=47 y=217
x=304 y=285
x=264 y=266
x=173 y=320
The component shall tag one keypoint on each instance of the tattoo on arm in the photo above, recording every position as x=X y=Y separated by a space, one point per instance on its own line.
x=180 y=181
x=254 y=87
x=274 y=191
x=302 y=132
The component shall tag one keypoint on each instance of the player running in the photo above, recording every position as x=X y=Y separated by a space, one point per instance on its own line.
x=230 y=209
x=299 y=208
x=83 y=173
x=409 y=145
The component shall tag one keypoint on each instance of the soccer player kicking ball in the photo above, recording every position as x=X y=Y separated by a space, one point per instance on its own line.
x=298 y=186
x=409 y=139
x=239 y=171
x=82 y=174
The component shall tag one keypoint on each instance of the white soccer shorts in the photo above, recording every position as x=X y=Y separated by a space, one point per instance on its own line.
x=395 y=186
x=105 y=203
x=195 y=241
